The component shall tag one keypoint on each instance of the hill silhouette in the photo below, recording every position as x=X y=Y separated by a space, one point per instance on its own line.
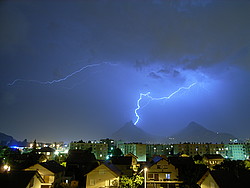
x=7 y=140
x=131 y=133
x=195 y=132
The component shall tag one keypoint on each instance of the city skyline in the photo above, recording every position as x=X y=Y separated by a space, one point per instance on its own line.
x=74 y=70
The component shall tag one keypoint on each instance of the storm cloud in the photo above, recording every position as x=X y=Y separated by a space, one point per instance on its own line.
x=148 y=46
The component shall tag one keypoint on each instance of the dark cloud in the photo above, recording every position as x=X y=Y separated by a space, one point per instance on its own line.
x=154 y=75
x=140 y=64
x=164 y=71
x=167 y=72
x=158 y=46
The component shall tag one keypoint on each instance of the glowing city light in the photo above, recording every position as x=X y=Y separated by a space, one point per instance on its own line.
x=142 y=95
x=6 y=168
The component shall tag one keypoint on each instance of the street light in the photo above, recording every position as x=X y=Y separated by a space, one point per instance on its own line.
x=6 y=168
x=145 y=177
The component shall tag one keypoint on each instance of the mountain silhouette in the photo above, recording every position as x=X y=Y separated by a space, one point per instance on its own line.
x=131 y=133
x=7 y=140
x=195 y=132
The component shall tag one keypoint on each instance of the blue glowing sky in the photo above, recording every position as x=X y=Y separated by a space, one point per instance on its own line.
x=137 y=47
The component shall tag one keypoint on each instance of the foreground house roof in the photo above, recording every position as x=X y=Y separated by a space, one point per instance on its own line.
x=227 y=179
x=122 y=160
x=18 y=179
x=213 y=156
x=53 y=166
x=113 y=169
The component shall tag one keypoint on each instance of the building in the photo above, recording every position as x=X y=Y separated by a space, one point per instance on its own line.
x=21 y=179
x=127 y=164
x=193 y=149
x=237 y=151
x=134 y=163
x=247 y=149
x=212 y=159
x=26 y=160
x=99 y=149
x=105 y=175
x=47 y=151
x=161 y=173
x=111 y=146
x=51 y=172
x=138 y=149
x=222 y=179
x=79 y=163
x=158 y=149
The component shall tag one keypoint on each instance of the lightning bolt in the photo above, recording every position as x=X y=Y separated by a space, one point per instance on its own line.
x=61 y=79
x=142 y=95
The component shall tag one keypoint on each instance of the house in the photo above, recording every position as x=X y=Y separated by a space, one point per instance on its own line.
x=105 y=175
x=138 y=149
x=26 y=160
x=161 y=173
x=79 y=163
x=183 y=163
x=51 y=172
x=134 y=163
x=127 y=164
x=99 y=149
x=224 y=179
x=212 y=159
x=47 y=151
x=218 y=179
x=21 y=179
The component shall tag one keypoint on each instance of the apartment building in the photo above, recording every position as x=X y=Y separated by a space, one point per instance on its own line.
x=99 y=149
x=138 y=149
x=193 y=149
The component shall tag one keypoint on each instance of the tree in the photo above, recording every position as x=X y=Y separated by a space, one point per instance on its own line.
x=34 y=146
x=117 y=152
x=64 y=185
x=197 y=158
x=191 y=174
x=232 y=166
x=132 y=182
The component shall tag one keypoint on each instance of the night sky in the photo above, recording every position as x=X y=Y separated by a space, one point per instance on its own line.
x=128 y=48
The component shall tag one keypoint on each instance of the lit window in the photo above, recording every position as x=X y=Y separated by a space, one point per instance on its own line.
x=92 y=182
x=107 y=183
x=168 y=176
x=150 y=176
